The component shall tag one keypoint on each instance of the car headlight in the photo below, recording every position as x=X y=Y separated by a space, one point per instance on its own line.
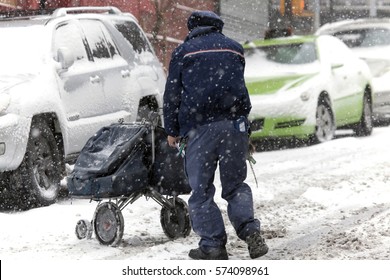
x=4 y=102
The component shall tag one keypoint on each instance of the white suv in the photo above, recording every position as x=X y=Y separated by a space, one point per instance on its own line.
x=62 y=77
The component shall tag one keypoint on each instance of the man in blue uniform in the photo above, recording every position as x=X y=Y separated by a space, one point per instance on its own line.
x=206 y=103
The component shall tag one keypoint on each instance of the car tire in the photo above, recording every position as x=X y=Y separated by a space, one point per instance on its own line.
x=7 y=192
x=38 y=177
x=365 y=125
x=325 y=124
x=145 y=112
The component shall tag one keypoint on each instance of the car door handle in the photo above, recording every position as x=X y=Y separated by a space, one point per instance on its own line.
x=94 y=79
x=74 y=117
x=125 y=73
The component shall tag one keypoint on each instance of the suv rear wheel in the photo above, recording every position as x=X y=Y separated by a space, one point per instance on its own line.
x=146 y=107
x=39 y=175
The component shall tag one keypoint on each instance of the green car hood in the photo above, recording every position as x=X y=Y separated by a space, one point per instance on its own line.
x=271 y=85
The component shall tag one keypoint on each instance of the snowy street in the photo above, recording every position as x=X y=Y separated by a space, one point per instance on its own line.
x=323 y=202
x=106 y=99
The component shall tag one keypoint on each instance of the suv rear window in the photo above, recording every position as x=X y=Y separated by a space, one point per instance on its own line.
x=133 y=35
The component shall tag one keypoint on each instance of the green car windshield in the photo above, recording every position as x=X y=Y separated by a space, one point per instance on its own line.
x=281 y=58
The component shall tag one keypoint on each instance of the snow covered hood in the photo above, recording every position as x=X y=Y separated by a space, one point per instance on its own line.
x=7 y=82
x=22 y=50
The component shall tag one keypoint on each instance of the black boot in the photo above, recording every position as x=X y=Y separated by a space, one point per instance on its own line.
x=256 y=245
x=214 y=254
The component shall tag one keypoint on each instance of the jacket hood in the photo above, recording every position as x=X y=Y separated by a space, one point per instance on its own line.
x=204 y=18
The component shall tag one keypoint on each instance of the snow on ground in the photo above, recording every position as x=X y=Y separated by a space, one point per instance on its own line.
x=323 y=202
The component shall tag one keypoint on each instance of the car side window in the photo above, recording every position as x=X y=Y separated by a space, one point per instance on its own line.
x=376 y=37
x=99 y=40
x=351 y=38
x=133 y=35
x=110 y=42
x=363 y=38
x=69 y=36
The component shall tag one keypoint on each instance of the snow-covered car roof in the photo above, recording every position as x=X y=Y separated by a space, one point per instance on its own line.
x=352 y=24
x=18 y=30
x=28 y=18
x=361 y=33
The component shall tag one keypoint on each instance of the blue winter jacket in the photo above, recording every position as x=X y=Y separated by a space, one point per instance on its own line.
x=206 y=78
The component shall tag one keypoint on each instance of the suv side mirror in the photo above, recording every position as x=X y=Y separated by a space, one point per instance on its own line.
x=65 y=58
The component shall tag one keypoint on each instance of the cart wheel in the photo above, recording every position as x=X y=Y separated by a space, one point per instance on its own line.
x=108 y=224
x=176 y=222
x=84 y=229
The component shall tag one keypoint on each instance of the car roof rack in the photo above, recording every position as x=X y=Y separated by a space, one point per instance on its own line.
x=74 y=10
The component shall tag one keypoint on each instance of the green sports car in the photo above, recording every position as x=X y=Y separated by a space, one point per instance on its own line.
x=306 y=87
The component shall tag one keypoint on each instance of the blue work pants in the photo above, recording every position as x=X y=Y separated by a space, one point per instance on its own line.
x=209 y=145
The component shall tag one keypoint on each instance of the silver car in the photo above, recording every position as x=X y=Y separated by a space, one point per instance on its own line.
x=62 y=77
x=370 y=40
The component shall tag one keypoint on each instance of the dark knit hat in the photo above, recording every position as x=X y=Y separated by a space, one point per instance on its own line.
x=204 y=18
